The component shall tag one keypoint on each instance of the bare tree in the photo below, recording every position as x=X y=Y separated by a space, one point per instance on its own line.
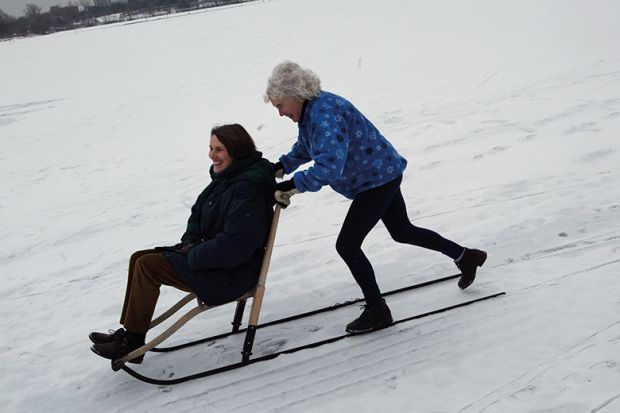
x=37 y=22
x=32 y=10
x=5 y=23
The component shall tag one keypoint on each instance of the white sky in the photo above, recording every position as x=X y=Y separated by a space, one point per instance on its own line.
x=16 y=8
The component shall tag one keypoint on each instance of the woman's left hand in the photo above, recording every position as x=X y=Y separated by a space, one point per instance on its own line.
x=278 y=169
x=187 y=248
x=284 y=191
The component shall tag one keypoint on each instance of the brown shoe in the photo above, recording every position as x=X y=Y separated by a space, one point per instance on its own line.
x=109 y=337
x=115 y=350
x=374 y=317
x=468 y=263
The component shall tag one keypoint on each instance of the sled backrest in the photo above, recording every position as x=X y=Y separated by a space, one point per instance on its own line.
x=259 y=290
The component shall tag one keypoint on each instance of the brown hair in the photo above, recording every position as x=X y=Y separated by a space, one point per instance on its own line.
x=236 y=139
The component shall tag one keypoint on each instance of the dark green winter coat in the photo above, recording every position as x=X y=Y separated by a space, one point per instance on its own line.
x=228 y=228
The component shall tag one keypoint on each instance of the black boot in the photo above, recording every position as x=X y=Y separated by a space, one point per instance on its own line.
x=468 y=263
x=127 y=343
x=375 y=317
x=99 y=338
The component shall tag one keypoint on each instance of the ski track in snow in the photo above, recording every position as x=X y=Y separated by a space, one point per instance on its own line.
x=330 y=371
x=533 y=383
x=399 y=346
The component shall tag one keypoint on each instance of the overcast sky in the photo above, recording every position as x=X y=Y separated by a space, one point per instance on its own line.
x=16 y=8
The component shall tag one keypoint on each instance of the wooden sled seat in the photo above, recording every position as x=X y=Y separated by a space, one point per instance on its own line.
x=256 y=294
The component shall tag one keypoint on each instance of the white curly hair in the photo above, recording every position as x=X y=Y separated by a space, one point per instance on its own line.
x=288 y=79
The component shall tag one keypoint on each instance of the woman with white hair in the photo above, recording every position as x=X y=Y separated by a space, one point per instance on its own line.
x=356 y=160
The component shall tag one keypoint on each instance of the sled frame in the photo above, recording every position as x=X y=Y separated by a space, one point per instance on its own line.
x=256 y=294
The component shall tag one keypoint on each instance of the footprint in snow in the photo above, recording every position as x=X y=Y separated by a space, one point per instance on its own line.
x=604 y=365
x=583 y=127
x=392 y=118
x=564 y=408
x=167 y=372
x=576 y=378
x=498 y=121
x=596 y=155
x=496 y=149
x=5 y=121
x=526 y=138
x=271 y=345
x=431 y=165
x=391 y=383
x=525 y=392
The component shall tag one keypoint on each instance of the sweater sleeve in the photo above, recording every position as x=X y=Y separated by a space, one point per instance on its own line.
x=244 y=232
x=330 y=140
x=297 y=156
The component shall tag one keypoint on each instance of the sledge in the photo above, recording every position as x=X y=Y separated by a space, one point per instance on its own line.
x=250 y=331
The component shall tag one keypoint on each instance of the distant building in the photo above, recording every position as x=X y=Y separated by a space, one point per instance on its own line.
x=107 y=3
x=67 y=13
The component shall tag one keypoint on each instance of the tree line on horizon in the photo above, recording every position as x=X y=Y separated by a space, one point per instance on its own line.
x=36 y=22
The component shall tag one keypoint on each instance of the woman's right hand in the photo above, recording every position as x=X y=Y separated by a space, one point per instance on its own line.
x=186 y=247
x=278 y=169
x=284 y=191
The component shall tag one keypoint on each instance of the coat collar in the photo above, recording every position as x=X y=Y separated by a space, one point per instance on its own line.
x=304 y=111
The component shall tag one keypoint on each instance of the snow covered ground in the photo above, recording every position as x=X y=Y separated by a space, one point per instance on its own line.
x=508 y=112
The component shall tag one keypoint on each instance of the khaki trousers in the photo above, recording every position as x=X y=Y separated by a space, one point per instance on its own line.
x=148 y=270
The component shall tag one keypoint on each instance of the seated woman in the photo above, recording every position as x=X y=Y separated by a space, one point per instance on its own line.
x=220 y=254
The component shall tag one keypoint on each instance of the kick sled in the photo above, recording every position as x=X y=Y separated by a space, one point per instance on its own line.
x=256 y=295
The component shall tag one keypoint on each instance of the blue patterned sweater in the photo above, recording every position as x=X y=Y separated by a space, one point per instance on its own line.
x=348 y=151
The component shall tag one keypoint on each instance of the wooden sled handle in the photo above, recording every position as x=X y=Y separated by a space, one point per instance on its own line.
x=257 y=302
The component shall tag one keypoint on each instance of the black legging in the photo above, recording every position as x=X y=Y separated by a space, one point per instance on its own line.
x=384 y=203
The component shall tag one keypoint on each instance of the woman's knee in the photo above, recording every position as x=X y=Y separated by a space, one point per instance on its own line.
x=404 y=234
x=399 y=236
x=347 y=248
x=149 y=266
x=137 y=255
x=148 y=261
x=340 y=247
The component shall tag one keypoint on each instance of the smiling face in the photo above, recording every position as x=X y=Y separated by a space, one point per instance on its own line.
x=219 y=155
x=288 y=107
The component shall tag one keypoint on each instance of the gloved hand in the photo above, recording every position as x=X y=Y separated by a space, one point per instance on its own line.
x=284 y=191
x=278 y=169
x=185 y=249
x=182 y=247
